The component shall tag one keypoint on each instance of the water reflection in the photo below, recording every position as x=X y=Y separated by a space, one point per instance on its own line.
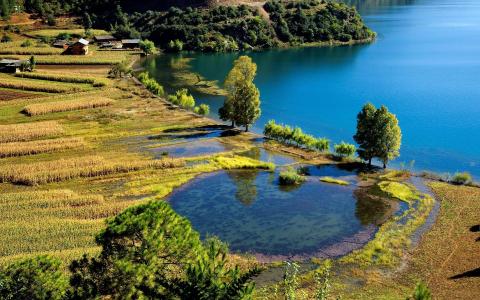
x=253 y=214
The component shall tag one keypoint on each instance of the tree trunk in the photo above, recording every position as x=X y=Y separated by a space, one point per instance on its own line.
x=233 y=124
x=246 y=128
x=370 y=162
x=384 y=165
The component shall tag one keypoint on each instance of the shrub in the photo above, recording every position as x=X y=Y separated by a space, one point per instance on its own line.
x=33 y=278
x=6 y=38
x=182 y=98
x=202 y=109
x=285 y=134
x=290 y=177
x=421 y=292
x=461 y=178
x=151 y=84
x=148 y=47
x=26 y=43
x=345 y=150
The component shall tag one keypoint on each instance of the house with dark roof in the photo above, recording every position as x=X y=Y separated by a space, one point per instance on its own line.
x=10 y=65
x=131 y=43
x=104 y=39
x=61 y=44
x=80 y=47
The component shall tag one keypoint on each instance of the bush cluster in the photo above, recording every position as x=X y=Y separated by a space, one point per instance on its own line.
x=182 y=98
x=290 y=177
x=344 y=149
x=202 y=109
x=295 y=136
x=151 y=84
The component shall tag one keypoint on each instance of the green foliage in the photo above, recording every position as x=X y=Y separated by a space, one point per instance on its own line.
x=120 y=69
x=286 y=135
x=182 y=98
x=232 y=28
x=148 y=47
x=461 y=178
x=344 y=149
x=26 y=43
x=242 y=105
x=290 y=280
x=150 y=252
x=151 y=84
x=34 y=278
x=322 y=280
x=378 y=134
x=398 y=190
x=175 y=46
x=421 y=292
x=329 y=179
x=202 y=109
x=33 y=63
x=290 y=177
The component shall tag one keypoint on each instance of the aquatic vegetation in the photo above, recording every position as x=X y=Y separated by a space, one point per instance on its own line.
x=241 y=162
x=329 y=179
x=40 y=146
x=182 y=98
x=398 y=190
x=66 y=105
x=70 y=168
x=29 y=131
x=290 y=177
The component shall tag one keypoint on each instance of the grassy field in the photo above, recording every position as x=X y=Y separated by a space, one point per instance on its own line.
x=55 y=32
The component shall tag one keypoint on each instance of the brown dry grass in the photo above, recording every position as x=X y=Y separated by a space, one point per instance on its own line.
x=70 y=168
x=29 y=131
x=41 y=146
x=68 y=105
x=450 y=248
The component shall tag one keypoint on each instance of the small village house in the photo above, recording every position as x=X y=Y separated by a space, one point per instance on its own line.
x=100 y=39
x=61 y=44
x=78 y=48
x=10 y=65
x=131 y=43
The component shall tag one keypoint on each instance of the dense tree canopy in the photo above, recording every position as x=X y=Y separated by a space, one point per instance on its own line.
x=378 y=134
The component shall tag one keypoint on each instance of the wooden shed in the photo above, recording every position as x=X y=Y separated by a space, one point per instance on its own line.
x=10 y=65
x=78 y=48
x=131 y=43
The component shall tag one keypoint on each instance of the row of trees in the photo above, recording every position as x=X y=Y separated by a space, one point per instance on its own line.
x=242 y=104
x=295 y=136
x=378 y=134
x=147 y=252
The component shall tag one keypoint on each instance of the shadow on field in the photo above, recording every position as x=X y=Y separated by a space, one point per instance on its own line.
x=471 y=273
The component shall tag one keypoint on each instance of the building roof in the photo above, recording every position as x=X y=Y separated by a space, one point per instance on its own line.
x=60 y=42
x=131 y=41
x=104 y=37
x=83 y=42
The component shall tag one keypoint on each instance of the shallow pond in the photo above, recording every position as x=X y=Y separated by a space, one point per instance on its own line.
x=190 y=149
x=253 y=214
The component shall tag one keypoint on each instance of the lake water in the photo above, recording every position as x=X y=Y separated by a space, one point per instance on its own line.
x=425 y=66
x=252 y=213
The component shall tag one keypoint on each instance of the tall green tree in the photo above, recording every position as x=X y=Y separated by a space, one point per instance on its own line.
x=378 y=134
x=150 y=252
x=388 y=135
x=242 y=105
x=365 y=136
x=33 y=278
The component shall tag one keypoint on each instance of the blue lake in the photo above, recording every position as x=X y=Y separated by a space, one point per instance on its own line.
x=425 y=66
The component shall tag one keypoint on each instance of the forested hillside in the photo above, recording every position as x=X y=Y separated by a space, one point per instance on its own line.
x=200 y=27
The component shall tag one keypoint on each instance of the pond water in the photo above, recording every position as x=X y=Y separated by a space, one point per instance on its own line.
x=252 y=213
x=424 y=66
x=190 y=149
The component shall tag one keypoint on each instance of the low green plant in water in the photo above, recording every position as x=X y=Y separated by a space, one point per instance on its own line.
x=241 y=162
x=290 y=177
x=398 y=190
x=329 y=179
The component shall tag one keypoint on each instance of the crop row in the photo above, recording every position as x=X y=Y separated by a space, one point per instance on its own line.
x=66 y=169
x=29 y=131
x=67 y=105
x=41 y=146
x=39 y=85
x=96 y=82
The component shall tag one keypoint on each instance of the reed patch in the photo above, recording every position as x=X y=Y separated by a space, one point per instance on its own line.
x=71 y=168
x=67 y=105
x=29 y=131
x=41 y=146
